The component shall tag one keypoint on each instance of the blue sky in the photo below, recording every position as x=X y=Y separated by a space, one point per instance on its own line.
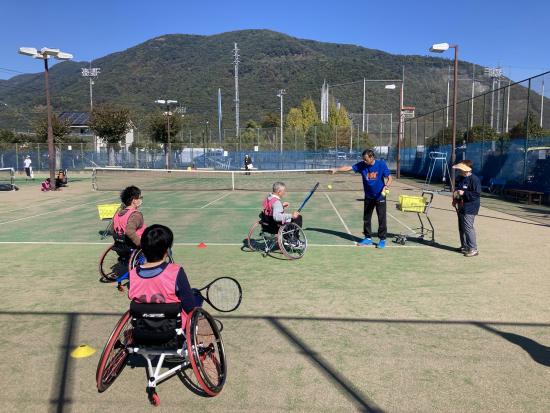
x=511 y=34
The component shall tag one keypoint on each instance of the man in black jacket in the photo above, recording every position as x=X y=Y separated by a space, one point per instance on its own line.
x=466 y=199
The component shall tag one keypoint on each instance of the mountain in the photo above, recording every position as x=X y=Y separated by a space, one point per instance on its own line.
x=191 y=68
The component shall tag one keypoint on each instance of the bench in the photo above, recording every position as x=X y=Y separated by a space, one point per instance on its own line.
x=525 y=194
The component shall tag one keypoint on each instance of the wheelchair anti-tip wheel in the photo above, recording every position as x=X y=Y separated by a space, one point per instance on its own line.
x=256 y=240
x=292 y=241
x=110 y=266
x=114 y=356
x=206 y=352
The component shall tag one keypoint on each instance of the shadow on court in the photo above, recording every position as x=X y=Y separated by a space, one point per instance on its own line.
x=339 y=234
x=538 y=352
x=61 y=391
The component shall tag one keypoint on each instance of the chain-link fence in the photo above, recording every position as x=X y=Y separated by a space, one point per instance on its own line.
x=270 y=148
x=505 y=132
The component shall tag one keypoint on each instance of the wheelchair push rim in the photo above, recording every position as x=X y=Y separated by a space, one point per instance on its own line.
x=138 y=258
x=114 y=355
x=256 y=241
x=206 y=352
x=292 y=241
x=108 y=264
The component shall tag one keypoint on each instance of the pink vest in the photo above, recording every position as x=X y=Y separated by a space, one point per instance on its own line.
x=159 y=289
x=267 y=206
x=120 y=223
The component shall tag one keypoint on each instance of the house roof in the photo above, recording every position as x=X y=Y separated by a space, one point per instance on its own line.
x=75 y=118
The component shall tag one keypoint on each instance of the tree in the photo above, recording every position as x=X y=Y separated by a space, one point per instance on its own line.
x=60 y=129
x=535 y=131
x=309 y=113
x=251 y=124
x=294 y=120
x=271 y=120
x=111 y=125
x=480 y=132
x=157 y=127
x=338 y=116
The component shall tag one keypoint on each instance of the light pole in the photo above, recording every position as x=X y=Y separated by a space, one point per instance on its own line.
x=168 y=103
x=45 y=53
x=281 y=93
x=440 y=48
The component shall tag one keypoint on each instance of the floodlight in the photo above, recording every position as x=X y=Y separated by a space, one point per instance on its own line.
x=160 y=101
x=63 y=56
x=169 y=102
x=392 y=86
x=39 y=56
x=439 y=47
x=49 y=51
x=28 y=51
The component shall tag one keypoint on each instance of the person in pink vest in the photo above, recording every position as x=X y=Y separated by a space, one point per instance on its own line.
x=128 y=224
x=273 y=209
x=158 y=281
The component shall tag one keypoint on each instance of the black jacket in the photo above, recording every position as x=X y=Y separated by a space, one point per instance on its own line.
x=471 y=186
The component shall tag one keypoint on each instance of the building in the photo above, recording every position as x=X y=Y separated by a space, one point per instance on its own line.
x=79 y=123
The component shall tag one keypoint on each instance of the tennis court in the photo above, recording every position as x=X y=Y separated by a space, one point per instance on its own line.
x=410 y=328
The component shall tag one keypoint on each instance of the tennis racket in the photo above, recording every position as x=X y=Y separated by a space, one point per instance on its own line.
x=223 y=294
x=308 y=197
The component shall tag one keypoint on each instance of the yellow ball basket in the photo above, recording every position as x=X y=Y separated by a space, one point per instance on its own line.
x=107 y=211
x=411 y=203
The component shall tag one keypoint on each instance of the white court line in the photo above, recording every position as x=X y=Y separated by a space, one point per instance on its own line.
x=402 y=223
x=56 y=211
x=216 y=200
x=193 y=244
x=339 y=216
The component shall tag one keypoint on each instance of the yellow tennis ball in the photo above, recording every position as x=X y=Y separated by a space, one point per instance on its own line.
x=329 y=186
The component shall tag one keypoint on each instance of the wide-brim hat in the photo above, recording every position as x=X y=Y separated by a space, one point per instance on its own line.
x=462 y=167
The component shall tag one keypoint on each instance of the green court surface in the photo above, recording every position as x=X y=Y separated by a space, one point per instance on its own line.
x=406 y=329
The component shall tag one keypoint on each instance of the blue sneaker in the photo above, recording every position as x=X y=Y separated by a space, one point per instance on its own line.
x=381 y=244
x=365 y=242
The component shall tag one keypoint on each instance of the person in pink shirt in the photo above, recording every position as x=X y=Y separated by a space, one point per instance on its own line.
x=158 y=281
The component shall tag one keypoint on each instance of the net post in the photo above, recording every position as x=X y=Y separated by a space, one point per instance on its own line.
x=232 y=180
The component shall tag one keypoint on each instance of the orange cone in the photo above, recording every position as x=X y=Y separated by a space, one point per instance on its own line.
x=201 y=245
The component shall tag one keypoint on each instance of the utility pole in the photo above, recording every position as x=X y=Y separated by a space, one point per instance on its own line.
x=473 y=92
x=236 y=62
x=448 y=92
x=508 y=106
x=91 y=73
x=494 y=74
x=542 y=103
x=281 y=93
x=364 y=102
x=220 y=115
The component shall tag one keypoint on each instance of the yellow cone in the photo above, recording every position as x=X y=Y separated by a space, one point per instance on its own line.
x=82 y=351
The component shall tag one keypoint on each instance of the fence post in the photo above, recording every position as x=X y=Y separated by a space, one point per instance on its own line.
x=526 y=131
x=315 y=137
x=16 y=158
x=483 y=132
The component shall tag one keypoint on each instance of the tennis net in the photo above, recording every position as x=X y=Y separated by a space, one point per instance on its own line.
x=116 y=179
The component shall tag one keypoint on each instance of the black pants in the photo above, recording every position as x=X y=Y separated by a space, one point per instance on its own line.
x=369 y=205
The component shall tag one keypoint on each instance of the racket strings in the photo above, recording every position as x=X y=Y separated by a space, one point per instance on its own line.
x=224 y=294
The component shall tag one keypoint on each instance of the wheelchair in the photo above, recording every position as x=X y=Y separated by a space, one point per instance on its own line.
x=119 y=259
x=267 y=235
x=162 y=333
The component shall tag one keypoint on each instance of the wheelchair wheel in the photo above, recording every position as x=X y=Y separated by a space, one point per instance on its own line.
x=292 y=241
x=256 y=241
x=110 y=266
x=114 y=356
x=138 y=257
x=206 y=351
